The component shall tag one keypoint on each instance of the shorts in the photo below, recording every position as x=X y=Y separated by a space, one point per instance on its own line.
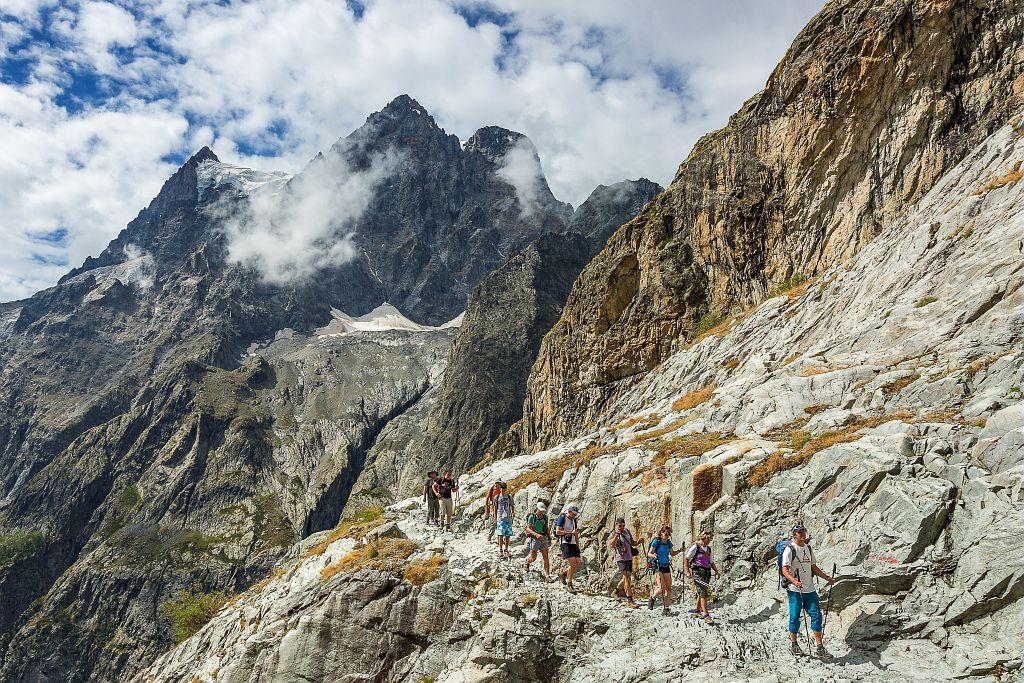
x=505 y=528
x=665 y=568
x=625 y=565
x=538 y=544
x=703 y=576
x=570 y=550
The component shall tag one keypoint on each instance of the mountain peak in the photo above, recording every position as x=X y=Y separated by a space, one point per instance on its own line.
x=204 y=154
x=494 y=142
x=405 y=105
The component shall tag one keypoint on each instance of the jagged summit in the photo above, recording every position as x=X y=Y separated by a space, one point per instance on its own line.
x=495 y=142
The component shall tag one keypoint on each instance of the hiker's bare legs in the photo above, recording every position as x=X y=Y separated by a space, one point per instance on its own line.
x=547 y=563
x=667 y=593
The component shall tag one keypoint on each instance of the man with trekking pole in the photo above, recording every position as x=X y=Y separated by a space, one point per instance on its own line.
x=798 y=568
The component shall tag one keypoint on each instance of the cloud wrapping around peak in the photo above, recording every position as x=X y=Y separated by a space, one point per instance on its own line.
x=290 y=233
x=100 y=100
x=520 y=168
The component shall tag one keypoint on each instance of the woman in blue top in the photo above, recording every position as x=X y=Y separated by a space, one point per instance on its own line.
x=661 y=550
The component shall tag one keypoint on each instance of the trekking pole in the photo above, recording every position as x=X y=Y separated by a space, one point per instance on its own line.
x=828 y=605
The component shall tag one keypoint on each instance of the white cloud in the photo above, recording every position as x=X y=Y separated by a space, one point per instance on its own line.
x=604 y=89
x=520 y=168
x=288 y=235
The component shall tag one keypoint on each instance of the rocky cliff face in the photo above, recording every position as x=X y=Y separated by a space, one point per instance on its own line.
x=507 y=315
x=879 y=404
x=146 y=444
x=870 y=106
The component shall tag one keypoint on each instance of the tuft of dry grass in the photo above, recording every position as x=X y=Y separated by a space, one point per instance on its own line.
x=777 y=462
x=814 y=410
x=890 y=389
x=529 y=600
x=645 y=421
x=707 y=486
x=423 y=571
x=353 y=527
x=383 y=554
x=688 y=446
x=731 y=364
x=693 y=398
x=924 y=301
x=999 y=181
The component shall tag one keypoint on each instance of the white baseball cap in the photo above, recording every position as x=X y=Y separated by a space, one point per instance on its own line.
x=540 y=506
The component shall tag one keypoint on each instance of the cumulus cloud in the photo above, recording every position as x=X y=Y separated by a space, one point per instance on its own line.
x=520 y=168
x=289 y=234
x=100 y=100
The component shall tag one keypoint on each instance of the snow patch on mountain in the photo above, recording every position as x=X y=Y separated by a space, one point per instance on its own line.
x=384 y=317
x=243 y=180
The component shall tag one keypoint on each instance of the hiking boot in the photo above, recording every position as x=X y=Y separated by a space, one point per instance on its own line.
x=795 y=649
x=668 y=613
x=708 y=620
x=630 y=602
x=821 y=653
x=650 y=603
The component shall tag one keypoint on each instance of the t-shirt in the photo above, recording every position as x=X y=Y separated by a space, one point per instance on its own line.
x=567 y=524
x=538 y=522
x=799 y=561
x=445 y=486
x=664 y=550
x=624 y=546
x=702 y=553
x=503 y=504
x=429 y=488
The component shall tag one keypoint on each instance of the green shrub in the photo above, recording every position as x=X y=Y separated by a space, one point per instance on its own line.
x=709 y=321
x=18 y=546
x=791 y=282
x=128 y=498
x=925 y=301
x=190 y=610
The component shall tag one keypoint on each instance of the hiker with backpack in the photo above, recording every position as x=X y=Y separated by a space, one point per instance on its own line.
x=504 y=512
x=567 y=531
x=698 y=565
x=660 y=555
x=488 y=514
x=625 y=549
x=540 y=538
x=430 y=497
x=797 y=569
x=444 y=487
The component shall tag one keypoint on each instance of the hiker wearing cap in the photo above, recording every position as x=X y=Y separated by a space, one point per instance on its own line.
x=698 y=565
x=799 y=567
x=661 y=551
x=488 y=514
x=504 y=512
x=622 y=542
x=540 y=536
x=433 y=507
x=444 y=487
x=567 y=531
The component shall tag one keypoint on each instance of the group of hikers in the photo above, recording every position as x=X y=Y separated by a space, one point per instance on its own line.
x=797 y=565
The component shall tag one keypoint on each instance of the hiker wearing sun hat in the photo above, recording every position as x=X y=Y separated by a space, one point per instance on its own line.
x=540 y=535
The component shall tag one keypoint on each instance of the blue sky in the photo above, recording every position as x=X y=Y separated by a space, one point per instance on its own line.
x=100 y=101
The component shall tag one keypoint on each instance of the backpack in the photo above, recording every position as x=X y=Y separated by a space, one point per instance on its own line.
x=503 y=504
x=538 y=523
x=702 y=558
x=780 y=548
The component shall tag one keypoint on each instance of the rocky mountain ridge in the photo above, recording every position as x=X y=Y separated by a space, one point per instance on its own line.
x=880 y=404
x=870 y=106
x=173 y=417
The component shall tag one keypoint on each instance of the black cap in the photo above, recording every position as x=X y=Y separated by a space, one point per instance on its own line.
x=799 y=527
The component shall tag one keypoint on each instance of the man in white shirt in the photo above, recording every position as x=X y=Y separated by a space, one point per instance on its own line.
x=799 y=568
